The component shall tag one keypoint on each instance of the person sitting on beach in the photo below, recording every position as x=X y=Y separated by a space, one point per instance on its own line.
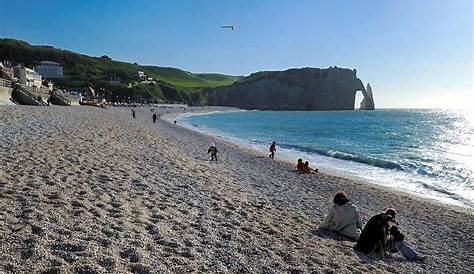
x=272 y=150
x=343 y=217
x=373 y=237
x=299 y=165
x=213 y=151
x=396 y=242
x=307 y=169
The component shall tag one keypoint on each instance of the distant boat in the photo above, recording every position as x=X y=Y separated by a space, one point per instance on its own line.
x=231 y=27
x=23 y=97
x=57 y=99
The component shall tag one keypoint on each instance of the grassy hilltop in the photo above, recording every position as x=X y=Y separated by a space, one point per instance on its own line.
x=173 y=85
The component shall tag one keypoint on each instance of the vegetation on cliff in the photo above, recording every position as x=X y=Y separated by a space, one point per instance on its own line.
x=172 y=84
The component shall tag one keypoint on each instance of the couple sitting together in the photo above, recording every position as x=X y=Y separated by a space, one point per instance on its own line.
x=304 y=167
x=378 y=237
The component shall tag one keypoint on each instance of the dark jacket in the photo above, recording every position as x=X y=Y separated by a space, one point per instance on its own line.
x=374 y=235
x=212 y=150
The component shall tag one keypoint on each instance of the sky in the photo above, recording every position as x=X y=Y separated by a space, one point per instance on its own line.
x=413 y=53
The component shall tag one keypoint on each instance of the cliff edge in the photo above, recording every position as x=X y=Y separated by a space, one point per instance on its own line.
x=294 y=89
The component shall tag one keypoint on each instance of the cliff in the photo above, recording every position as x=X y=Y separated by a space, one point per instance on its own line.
x=293 y=89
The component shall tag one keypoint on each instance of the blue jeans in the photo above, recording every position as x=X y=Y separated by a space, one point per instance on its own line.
x=405 y=248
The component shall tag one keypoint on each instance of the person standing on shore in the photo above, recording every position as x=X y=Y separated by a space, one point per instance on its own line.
x=154 y=118
x=133 y=114
x=272 y=150
x=213 y=151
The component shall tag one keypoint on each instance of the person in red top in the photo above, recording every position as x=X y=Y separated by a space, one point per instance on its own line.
x=300 y=165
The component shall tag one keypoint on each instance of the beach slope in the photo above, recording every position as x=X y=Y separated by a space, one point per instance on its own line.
x=91 y=190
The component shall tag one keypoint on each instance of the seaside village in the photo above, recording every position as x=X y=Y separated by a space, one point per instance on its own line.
x=34 y=86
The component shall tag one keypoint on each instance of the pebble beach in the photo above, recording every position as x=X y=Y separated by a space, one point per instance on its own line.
x=91 y=190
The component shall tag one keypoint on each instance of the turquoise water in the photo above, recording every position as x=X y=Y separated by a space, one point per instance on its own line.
x=426 y=152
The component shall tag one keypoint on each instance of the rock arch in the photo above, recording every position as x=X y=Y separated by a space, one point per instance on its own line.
x=368 y=101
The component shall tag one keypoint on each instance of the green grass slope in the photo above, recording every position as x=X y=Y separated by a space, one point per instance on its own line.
x=83 y=70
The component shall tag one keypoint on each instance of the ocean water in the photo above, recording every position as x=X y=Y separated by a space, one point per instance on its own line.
x=425 y=152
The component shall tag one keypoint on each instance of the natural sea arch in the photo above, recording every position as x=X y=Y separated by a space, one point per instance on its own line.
x=365 y=98
x=358 y=99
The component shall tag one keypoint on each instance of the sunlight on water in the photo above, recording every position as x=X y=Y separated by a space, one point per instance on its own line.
x=426 y=152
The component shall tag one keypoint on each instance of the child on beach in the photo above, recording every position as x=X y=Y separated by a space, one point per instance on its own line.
x=307 y=169
x=343 y=217
x=272 y=150
x=299 y=165
x=213 y=151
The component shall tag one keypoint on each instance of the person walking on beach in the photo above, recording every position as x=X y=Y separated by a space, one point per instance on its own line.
x=343 y=217
x=133 y=114
x=213 y=151
x=154 y=118
x=272 y=150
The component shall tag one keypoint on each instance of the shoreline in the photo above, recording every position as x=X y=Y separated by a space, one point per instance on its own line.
x=287 y=158
x=110 y=194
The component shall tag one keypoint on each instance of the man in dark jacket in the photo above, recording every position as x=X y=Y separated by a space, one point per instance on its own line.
x=375 y=234
x=213 y=151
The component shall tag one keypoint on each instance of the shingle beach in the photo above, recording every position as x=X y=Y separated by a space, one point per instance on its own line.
x=91 y=190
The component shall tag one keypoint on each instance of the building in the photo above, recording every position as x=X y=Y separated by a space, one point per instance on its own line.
x=27 y=77
x=139 y=75
x=50 y=70
x=6 y=72
x=114 y=80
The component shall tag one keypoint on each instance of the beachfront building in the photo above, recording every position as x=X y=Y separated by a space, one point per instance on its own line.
x=50 y=70
x=114 y=80
x=139 y=75
x=27 y=77
x=6 y=72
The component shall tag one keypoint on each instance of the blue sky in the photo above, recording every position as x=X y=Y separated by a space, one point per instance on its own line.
x=414 y=53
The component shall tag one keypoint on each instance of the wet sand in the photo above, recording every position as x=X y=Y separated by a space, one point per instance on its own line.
x=90 y=190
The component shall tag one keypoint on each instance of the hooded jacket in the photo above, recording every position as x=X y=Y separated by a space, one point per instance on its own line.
x=344 y=219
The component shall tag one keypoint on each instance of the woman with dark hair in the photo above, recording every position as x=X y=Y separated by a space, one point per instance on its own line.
x=343 y=217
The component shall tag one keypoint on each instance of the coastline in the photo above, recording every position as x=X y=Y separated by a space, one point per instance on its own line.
x=290 y=156
x=106 y=193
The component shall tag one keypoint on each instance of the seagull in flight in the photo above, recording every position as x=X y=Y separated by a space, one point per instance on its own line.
x=230 y=27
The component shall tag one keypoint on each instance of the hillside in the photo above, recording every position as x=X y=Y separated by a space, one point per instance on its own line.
x=82 y=70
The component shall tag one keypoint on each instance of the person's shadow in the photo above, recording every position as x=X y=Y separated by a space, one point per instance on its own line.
x=328 y=234
x=366 y=259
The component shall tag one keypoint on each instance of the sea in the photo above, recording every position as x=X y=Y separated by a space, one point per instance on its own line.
x=426 y=152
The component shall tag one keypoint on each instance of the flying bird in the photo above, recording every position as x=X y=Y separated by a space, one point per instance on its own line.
x=230 y=27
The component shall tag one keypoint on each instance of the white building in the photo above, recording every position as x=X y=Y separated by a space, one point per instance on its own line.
x=27 y=77
x=139 y=75
x=50 y=70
